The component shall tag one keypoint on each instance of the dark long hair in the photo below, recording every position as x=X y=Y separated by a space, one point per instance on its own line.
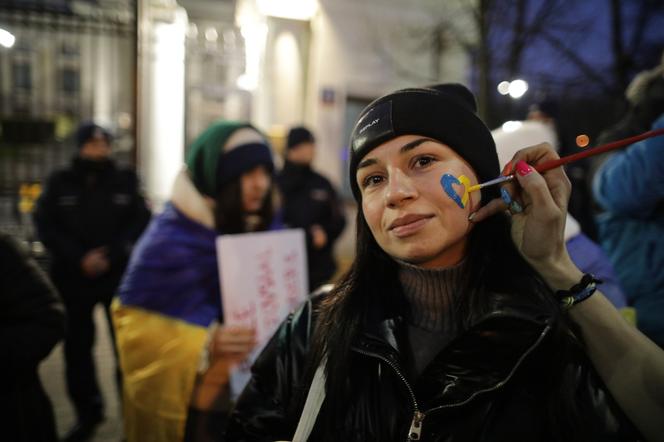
x=229 y=215
x=494 y=266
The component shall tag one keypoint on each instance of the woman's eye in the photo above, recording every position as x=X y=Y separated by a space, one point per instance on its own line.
x=372 y=180
x=424 y=161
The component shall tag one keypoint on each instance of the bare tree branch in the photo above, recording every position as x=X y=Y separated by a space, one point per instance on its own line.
x=518 y=39
x=584 y=67
x=640 y=26
x=620 y=59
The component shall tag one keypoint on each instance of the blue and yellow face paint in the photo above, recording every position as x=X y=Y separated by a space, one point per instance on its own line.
x=447 y=181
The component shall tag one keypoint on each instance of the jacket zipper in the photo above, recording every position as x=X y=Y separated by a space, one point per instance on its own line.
x=504 y=381
x=415 y=431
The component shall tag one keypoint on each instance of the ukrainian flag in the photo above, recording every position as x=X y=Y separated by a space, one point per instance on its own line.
x=169 y=296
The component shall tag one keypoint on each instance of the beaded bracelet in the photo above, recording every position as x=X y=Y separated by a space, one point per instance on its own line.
x=579 y=292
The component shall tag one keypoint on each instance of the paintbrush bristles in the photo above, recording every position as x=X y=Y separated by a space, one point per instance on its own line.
x=498 y=180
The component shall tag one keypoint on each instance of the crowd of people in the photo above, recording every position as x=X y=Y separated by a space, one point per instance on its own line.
x=489 y=316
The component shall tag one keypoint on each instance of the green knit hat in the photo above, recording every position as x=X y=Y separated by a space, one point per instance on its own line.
x=221 y=153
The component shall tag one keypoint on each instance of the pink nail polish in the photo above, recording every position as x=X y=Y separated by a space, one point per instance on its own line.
x=522 y=168
x=507 y=169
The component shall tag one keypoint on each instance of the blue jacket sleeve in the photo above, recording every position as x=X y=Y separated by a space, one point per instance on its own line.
x=632 y=181
x=590 y=258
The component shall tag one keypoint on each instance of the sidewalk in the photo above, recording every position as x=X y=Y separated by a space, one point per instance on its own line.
x=52 y=376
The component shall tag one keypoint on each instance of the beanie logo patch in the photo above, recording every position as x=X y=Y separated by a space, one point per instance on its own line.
x=374 y=124
x=369 y=125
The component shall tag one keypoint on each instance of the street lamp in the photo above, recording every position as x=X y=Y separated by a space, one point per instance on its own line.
x=7 y=39
x=515 y=88
x=504 y=87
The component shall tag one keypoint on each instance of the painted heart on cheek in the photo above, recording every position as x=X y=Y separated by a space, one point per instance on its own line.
x=448 y=182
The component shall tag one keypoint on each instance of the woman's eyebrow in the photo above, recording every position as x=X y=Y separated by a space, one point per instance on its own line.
x=405 y=148
x=366 y=163
x=413 y=144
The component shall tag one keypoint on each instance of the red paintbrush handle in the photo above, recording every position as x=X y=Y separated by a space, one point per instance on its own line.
x=548 y=165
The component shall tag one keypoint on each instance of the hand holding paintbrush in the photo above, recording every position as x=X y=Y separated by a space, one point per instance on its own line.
x=548 y=165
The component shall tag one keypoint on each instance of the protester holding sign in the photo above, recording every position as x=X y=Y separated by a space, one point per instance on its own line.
x=172 y=354
x=263 y=279
x=458 y=320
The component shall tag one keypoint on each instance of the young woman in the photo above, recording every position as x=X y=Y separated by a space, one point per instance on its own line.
x=168 y=305
x=449 y=325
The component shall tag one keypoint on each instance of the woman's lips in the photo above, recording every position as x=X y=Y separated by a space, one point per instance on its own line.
x=408 y=225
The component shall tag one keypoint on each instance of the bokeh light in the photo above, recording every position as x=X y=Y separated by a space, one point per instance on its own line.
x=517 y=88
x=7 y=39
x=582 y=140
x=504 y=87
x=511 y=126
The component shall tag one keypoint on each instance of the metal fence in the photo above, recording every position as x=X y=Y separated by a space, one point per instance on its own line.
x=71 y=62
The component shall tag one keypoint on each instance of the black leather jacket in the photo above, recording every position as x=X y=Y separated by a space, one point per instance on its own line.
x=489 y=384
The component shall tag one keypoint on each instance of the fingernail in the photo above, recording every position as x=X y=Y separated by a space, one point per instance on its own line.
x=523 y=169
x=507 y=169
x=505 y=195
x=471 y=216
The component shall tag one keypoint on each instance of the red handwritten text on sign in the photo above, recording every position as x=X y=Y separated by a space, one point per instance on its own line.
x=292 y=278
x=267 y=296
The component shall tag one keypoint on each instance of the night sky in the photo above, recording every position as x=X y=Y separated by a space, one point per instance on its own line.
x=585 y=28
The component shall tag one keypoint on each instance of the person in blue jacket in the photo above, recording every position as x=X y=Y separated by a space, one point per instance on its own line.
x=629 y=186
x=169 y=302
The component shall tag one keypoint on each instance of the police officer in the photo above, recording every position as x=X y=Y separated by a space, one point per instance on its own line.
x=88 y=217
x=310 y=202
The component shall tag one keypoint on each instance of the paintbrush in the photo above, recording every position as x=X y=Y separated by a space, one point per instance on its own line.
x=548 y=165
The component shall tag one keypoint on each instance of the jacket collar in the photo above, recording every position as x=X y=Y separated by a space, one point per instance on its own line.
x=190 y=202
x=481 y=359
x=84 y=168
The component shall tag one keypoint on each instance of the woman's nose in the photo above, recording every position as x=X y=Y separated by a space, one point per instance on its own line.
x=259 y=178
x=400 y=188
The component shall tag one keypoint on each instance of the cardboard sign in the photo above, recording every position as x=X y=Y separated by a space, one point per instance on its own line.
x=263 y=277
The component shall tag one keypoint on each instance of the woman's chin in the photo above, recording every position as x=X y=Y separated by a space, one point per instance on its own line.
x=415 y=259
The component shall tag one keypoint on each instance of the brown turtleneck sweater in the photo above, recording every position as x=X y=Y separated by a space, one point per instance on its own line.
x=432 y=324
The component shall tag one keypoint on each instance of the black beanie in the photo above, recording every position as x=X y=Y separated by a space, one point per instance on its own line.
x=445 y=112
x=299 y=135
x=88 y=131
